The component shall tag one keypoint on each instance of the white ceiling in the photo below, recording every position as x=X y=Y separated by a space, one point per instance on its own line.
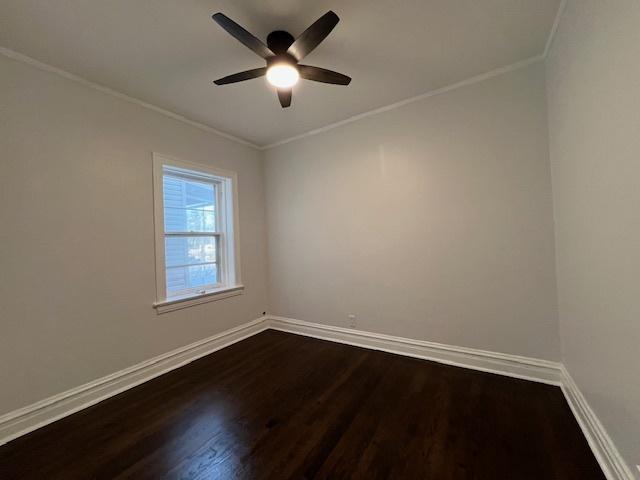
x=168 y=52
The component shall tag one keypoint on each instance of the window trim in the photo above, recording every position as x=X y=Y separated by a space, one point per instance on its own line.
x=230 y=246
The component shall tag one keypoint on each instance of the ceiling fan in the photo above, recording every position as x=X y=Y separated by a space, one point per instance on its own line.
x=283 y=54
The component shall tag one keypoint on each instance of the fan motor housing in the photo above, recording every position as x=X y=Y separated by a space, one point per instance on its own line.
x=279 y=41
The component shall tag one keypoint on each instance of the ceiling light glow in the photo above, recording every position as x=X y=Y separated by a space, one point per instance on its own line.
x=283 y=75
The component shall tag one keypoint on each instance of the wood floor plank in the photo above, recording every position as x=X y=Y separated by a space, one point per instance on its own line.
x=282 y=406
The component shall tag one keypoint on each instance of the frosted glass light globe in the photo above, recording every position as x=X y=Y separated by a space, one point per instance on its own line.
x=283 y=75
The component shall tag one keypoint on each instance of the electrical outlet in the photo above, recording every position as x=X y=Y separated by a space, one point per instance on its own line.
x=352 y=320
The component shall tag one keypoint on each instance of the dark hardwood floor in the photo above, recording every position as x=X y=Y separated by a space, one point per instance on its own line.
x=284 y=406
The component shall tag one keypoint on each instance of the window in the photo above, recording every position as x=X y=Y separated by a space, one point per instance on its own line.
x=196 y=244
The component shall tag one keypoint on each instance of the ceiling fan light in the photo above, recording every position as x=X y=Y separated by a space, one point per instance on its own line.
x=283 y=75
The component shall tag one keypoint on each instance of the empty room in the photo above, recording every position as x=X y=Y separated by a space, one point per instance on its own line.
x=367 y=239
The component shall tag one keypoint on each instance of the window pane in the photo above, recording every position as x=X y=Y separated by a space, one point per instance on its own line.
x=184 y=193
x=181 y=279
x=189 y=206
x=189 y=250
x=189 y=220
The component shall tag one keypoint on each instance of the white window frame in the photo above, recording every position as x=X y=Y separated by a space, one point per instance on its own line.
x=228 y=243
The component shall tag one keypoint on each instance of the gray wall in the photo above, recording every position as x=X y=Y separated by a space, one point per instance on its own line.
x=431 y=221
x=593 y=81
x=77 y=238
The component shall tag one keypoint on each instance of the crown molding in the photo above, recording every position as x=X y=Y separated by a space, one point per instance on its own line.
x=554 y=27
x=96 y=86
x=432 y=93
x=439 y=91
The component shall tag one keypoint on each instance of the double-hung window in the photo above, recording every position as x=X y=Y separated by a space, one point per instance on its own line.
x=196 y=240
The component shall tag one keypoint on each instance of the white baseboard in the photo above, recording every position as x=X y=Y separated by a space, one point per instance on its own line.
x=605 y=451
x=39 y=414
x=534 y=369
x=24 y=420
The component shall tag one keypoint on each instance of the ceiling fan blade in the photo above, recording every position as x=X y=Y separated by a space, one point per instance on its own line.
x=241 y=76
x=242 y=35
x=323 y=75
x=312 y=36
x=285 y=97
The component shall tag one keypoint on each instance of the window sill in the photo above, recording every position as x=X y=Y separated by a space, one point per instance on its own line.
x=209 y=296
